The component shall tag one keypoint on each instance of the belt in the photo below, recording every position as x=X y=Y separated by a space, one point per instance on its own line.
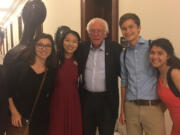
x=95 y=93
x=146 y=102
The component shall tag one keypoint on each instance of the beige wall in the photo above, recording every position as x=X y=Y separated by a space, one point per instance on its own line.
x=62 y=12
x=160 y=18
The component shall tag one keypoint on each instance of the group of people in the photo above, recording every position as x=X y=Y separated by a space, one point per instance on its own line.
x=80 y=93
x=145 y=86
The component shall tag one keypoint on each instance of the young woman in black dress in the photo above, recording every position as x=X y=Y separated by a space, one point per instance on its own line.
x=24 y=82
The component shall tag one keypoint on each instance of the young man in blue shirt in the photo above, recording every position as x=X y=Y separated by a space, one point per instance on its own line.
x=140 y=105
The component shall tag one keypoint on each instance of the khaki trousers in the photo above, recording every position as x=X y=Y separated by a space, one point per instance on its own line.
x=147 y=118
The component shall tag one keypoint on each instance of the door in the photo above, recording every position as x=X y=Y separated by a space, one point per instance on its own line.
x=106 y=9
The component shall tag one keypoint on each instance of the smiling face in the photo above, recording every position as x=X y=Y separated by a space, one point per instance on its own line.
x=97 y=33
x=158 y=57
x=70 y=44
x=43 y=48
x=130 y=31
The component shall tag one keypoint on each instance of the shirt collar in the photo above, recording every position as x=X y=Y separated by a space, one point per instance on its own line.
x=140 y=42
x=102 y=46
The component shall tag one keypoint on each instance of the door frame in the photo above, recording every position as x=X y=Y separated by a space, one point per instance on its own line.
x=114 y=18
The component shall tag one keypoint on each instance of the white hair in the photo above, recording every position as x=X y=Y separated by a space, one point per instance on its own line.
x=98 y=20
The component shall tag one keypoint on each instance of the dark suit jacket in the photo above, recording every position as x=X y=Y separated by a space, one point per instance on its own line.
x=112 y=68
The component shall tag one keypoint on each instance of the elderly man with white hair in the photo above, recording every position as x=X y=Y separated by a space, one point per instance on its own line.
x=99 y=65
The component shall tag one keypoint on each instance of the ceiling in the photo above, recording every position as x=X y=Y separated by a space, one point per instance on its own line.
x=7 y=8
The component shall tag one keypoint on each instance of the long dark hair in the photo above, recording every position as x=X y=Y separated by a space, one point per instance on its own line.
x=59 y=34
x=167 y=46
x=29 y=54
x=61 y=51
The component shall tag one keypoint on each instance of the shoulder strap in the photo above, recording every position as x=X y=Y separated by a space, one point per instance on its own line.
x=171 y=83
x=149 y=43
x=124 y=58
x=125 y=50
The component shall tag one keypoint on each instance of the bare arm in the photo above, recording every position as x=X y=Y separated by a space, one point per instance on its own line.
x=175 y=75
x=123 y=97
x=15 y=115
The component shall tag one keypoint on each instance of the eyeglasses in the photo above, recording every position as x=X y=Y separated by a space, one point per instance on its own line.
x=96 y=31
x=41 y=45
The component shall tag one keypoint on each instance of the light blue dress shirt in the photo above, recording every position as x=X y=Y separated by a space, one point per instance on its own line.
x=137 y=74
x=95 y=69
